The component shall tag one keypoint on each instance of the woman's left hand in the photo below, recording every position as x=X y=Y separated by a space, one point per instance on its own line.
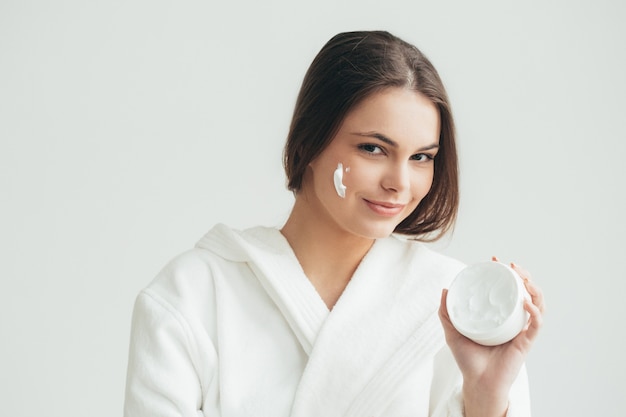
x=489 y=371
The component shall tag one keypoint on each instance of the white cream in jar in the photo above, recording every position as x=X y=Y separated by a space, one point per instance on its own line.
x=486 y=303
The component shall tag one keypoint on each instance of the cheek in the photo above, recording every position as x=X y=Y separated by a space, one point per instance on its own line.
x=422 y=183
x=359 y=175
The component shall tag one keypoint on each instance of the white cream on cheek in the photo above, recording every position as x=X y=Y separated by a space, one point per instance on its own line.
x=338 y=180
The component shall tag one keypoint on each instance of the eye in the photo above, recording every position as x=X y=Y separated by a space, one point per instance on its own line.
x=422 y=157
x=371 y=148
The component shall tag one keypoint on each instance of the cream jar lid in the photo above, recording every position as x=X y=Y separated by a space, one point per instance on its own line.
x=486 y=303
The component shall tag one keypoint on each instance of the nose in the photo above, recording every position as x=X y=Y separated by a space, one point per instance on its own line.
x=396 y=178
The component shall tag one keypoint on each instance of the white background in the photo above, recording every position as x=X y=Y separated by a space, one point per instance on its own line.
x=129 y=128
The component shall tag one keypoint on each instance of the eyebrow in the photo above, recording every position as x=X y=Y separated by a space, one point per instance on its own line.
x=391 y=142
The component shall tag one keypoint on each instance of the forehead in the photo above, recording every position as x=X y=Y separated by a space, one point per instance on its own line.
x=402 y=114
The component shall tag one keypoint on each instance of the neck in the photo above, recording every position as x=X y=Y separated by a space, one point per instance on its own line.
x=328 y=255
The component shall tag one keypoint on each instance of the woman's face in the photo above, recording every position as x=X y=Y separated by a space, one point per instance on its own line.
x=387 y=143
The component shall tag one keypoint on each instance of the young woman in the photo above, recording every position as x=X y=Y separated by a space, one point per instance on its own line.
x=332 y=315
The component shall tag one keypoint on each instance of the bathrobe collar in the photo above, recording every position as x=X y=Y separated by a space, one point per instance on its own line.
x=384 y=322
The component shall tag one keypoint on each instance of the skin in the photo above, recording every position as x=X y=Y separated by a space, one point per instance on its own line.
x=388 y=142
x=489 y=371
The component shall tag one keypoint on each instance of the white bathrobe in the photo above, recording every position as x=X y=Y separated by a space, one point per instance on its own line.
x=234 y=328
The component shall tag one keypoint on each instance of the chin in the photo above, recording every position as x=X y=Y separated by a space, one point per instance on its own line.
x=380 y=232
x=375 y=227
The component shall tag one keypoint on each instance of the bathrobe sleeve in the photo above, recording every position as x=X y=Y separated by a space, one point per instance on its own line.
x=446 y=398
x=164 y=377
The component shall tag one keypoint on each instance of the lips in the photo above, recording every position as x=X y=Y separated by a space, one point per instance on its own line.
x=385 y=208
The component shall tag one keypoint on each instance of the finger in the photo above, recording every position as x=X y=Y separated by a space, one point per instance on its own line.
x=535 y=292
x=526 y=337
x=535 y=321
x=536 y=295
x=495 y=259
x=523 y=273
x=443 y=306
x=444 y=317
x=450 y=332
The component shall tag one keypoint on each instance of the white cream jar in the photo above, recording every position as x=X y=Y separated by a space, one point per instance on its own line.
x=486 y=303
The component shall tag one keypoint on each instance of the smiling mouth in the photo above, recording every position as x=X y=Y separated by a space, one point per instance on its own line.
x=384 y=208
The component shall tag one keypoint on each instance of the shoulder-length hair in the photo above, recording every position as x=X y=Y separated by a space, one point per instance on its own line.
x=349 y=68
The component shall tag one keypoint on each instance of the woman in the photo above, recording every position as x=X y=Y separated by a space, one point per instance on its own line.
x=331 y=315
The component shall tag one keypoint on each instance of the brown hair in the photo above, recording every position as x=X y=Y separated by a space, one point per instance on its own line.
x=350 y=67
